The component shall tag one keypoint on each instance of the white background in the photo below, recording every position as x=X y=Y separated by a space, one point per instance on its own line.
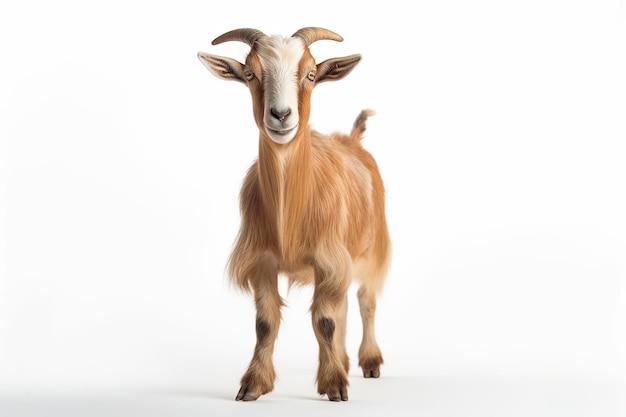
x=499 y=132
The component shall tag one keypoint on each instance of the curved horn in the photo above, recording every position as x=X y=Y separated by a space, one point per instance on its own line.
x=246 y=35
x=312 y=34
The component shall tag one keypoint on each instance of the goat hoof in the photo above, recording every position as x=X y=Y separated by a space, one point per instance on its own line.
x=371 y=367
x=340 y=395
x=337 y=391
x=244 y=394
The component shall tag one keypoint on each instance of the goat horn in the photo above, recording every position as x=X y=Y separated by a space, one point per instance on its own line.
x=312 y=34
x=246 y=35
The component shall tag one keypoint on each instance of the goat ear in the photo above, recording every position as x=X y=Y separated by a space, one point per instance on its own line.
x=222 y=67
x=336 y=68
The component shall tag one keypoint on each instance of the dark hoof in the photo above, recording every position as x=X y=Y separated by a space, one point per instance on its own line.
x=338 y=395
x=244 y=395
x=336 y=389
x=371 y=367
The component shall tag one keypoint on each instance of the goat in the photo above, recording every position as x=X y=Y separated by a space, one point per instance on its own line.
x=312 y=208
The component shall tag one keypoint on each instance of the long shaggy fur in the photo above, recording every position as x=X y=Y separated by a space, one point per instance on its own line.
x=332 y=194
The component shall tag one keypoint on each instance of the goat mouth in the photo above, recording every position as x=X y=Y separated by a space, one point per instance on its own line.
x=281 y=132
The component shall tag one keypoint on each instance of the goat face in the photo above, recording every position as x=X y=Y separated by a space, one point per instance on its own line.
x=280 y=73
x=276 y=66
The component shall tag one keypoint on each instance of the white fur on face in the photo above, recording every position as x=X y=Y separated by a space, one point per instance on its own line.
x=280 y=58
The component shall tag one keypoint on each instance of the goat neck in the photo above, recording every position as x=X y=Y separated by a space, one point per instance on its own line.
x=285 y=179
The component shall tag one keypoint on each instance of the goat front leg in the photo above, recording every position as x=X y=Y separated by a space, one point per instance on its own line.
x=260 y=376
x=340 y=334
x=328 y=315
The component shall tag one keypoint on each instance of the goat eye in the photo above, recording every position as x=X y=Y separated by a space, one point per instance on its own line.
x=311 y=75
x=248 y=74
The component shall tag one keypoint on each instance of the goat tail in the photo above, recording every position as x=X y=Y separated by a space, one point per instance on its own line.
x=359 y=124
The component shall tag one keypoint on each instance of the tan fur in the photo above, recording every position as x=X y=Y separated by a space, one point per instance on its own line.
x=314 y=210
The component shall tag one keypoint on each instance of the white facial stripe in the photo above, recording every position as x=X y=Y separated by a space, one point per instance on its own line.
x=280 y=58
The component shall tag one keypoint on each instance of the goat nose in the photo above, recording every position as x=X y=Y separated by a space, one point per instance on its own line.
x=280 y=114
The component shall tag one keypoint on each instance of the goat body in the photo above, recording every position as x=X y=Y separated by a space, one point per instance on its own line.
x=312 y=208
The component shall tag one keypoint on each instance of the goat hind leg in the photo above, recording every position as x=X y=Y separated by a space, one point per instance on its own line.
x=370 y=357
